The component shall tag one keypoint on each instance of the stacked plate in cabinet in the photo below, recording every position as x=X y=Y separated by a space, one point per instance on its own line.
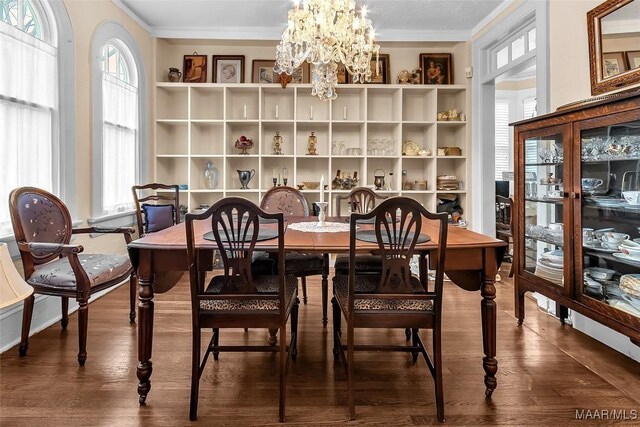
x=447 y=182
x=550 y=266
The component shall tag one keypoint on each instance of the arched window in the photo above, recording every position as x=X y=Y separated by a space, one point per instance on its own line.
x=119 y=127
x=31 y=101
x=117 y=121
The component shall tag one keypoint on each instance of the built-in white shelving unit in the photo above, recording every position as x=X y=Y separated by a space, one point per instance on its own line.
x=200 y=122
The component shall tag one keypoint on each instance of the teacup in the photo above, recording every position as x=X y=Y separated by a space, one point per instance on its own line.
x=630 y=244
x=591 y=183
x=556 y=226
x=612 y=236
x=587 y=236
x=611 y=245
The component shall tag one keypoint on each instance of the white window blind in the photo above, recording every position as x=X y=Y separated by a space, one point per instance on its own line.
x=28 y=102
x=120 y=134
x=502 y=144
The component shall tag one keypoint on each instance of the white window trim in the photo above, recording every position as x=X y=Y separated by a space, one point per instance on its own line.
x=103 y=34
x=484 y=97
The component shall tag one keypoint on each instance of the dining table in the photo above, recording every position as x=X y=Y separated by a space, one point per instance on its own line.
x=160 y=259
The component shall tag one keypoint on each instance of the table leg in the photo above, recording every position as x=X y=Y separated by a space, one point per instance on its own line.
x=145 y=327
x=325 y=289
x=488 y=306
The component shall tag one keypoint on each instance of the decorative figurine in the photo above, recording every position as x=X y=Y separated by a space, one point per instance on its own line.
x=244 y=144
x=311 y=145
x=277 y=144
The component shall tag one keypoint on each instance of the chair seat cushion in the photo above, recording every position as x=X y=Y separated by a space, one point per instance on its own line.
x=368 y=284
x=364 y=264
x=267 y=285
x=100 y=269
x=294 y=263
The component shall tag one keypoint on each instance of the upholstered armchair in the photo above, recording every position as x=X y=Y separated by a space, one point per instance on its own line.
x=54 y=266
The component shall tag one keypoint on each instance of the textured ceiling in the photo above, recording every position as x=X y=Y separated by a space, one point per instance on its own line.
x=410 y=20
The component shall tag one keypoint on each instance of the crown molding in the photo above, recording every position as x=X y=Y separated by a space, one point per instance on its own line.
x=490 y=17
x=133 y=16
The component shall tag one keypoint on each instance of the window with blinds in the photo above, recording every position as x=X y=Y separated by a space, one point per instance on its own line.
x=502 y=140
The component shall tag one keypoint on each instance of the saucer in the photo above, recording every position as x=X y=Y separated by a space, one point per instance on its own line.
x=600 y=249
x=626 y=258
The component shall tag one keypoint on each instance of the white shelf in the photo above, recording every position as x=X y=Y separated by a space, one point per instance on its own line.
x=200 y=122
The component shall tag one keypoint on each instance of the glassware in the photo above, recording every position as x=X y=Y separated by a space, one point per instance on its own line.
x=211 y=175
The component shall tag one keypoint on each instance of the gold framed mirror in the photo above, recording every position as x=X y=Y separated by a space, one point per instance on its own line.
x=614 y=45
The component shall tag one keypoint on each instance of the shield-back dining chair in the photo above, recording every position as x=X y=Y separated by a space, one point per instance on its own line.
x=395 y=298
x=238 y=298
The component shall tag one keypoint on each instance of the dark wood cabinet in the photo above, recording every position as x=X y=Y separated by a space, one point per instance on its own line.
x=577 y=215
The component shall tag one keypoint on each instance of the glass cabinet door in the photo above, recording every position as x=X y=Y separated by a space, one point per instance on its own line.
x=610 y=215
x=544 y=206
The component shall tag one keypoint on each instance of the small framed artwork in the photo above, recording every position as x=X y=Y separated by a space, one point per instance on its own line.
x=302 y=74
x=633 y=59
x=380 y=71
x=228 y=68
x=437 y=68
x=262 y=71
x=613 y=63
x=194 y=68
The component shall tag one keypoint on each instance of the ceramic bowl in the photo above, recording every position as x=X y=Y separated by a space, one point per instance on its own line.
x=599 y=273
x=311 y=185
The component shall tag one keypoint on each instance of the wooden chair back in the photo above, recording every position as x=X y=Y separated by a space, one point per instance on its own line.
x=398 y=223
x=504 y=217
x=288 y=200
x=41 y=217
x=235 y=225
x=361 y=200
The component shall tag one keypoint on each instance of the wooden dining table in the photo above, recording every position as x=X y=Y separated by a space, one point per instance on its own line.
x=160 y=259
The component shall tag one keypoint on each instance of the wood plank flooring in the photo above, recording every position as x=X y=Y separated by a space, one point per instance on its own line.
x=546 y=373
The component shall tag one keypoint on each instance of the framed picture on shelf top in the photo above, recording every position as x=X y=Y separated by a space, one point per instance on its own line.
x=194 y=69
x=437 y=68
x=633 y=59
x=302 y=74
x=228 y=68
x=380 y=70
x=262 y=71
x=613 y=63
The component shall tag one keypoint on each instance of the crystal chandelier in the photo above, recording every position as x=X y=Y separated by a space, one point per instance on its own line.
x=326 y=33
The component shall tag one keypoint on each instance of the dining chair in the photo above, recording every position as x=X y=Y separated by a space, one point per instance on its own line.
x=395 y=298
x=292 y=202
x=53 y=266
x=504 y=224
x=359 y=200
x=155 y=210
x=238 y=298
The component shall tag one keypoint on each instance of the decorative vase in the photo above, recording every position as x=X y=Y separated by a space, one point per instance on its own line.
x=174 y=75
x=245 y=176
x=211 y=175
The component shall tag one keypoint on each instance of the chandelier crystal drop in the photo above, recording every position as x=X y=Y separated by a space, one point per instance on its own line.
x=326 y=33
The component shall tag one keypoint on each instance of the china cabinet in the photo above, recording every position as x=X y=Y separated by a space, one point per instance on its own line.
x=577 y=217
x=360 y=134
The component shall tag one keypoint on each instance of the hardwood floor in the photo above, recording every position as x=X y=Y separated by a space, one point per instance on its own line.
x=546 y=372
